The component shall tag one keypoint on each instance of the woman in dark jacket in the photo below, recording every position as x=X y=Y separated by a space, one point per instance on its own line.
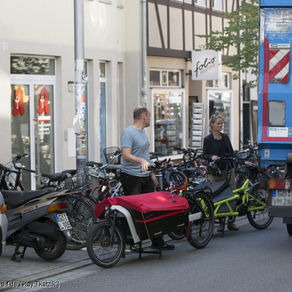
x=218 y=144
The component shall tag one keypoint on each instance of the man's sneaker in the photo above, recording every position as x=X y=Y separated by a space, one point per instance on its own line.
x=232 y=226
x=135 y=247
x=164 y=246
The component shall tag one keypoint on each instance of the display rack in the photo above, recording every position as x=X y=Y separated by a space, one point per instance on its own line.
x=197 y=125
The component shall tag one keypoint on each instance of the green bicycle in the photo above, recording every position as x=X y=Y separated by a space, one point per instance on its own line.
x=248 y=200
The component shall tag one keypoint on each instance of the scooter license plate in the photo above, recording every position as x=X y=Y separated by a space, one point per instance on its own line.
x=63 y=221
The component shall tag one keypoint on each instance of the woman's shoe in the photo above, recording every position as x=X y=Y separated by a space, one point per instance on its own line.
x=232 y=226
x=220 y=228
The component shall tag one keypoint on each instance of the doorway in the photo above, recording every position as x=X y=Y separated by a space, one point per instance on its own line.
x=32 y=125
x=220 y=102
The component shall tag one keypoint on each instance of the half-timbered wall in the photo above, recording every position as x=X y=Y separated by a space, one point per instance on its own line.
x=174 y=25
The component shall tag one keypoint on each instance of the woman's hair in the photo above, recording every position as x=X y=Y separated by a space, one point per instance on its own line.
x=213 y=119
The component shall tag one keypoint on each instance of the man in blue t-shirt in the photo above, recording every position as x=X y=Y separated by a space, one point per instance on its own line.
x=135 y=177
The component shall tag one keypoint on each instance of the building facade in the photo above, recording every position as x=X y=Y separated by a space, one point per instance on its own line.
x=37 y=78
x=182 y=106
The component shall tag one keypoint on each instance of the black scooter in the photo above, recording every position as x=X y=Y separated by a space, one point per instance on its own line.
x=38 y=219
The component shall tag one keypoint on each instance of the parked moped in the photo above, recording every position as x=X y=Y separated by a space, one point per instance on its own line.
x=38 y=219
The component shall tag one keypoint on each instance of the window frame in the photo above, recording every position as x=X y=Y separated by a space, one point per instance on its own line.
x=164 y=73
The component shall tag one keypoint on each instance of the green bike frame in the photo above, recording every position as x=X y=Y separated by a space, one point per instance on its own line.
x=230 y=206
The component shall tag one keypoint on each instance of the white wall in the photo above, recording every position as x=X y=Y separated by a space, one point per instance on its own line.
x=46 y=27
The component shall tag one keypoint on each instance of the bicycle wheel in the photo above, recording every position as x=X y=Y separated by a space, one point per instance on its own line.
x=259 y=219
x=105 y=246
x=201 y=229
x=81 y=216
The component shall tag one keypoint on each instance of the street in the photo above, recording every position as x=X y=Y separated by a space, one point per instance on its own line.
x=244 y=260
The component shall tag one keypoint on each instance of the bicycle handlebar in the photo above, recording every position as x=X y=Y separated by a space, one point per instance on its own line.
x=7 y=169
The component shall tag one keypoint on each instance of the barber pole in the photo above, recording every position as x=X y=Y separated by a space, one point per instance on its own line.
x=279 y=56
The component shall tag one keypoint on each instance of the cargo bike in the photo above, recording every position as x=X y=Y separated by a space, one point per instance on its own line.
x=133 y=220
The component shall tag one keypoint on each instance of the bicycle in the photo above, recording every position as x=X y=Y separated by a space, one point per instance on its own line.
x=134 y=219
x=175 y=181
x=80 y=208
x=248 y=200
x=12 y=173
x=104 y=178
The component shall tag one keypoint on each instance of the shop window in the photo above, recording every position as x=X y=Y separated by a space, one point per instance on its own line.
x=165 y=78
x=102 y=110
x=155 y=78
x=212 y=83
x=217 y=4
x=173 y=78
x=224 y=82
x=168 y=121
x=200 y=2
x=32 y=65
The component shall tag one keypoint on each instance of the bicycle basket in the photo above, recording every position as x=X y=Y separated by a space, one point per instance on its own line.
x=71 y=182
x=110 y=153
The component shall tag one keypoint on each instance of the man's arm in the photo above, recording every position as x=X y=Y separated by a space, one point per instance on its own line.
x=128 y=156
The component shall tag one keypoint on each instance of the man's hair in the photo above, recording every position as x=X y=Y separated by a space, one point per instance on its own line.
x=138 y=111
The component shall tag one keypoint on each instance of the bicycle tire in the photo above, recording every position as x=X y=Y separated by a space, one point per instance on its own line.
x=201 y=230
x=81 y=216
x=259 y=219
x=99 y=245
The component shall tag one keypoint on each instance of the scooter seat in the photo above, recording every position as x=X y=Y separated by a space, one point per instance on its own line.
x=14 y=199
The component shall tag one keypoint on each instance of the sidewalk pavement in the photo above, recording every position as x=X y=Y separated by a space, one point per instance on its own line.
x=33 y=268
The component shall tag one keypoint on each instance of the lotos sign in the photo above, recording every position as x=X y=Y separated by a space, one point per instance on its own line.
x=206 y=65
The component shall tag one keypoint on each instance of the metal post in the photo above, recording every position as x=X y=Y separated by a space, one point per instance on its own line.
x=80 y=120
x=144 y=54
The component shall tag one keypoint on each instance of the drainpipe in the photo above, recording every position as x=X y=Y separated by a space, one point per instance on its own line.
x=144 y=54
x=80 y=119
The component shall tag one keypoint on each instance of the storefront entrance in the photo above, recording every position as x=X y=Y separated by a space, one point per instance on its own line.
x=169 y=121
x=220 y=102
x=32 y=124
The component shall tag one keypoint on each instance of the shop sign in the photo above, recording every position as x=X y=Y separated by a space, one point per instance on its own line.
x=206 y=65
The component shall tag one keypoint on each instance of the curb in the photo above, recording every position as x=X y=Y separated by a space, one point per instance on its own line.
x=14 y=283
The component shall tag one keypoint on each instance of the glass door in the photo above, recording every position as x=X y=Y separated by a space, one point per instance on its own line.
x=219 y=101
x=32 y=126
x=20 y=130
x=169 y=121
x=44 y=130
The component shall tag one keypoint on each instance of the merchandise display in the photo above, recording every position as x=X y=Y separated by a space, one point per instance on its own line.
x=167 y=123
x=196 y=125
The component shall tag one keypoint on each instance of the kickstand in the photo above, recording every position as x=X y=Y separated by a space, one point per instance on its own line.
x=17 y=255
